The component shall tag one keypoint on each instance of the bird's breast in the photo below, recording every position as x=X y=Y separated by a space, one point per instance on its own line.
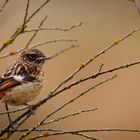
x=24 y=93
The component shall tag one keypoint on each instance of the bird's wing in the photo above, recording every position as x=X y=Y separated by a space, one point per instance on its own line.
x=6 y=84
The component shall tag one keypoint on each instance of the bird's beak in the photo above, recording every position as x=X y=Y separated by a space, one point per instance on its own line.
x=45 y=58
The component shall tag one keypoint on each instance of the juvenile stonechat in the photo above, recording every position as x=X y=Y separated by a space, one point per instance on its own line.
x=22 y=81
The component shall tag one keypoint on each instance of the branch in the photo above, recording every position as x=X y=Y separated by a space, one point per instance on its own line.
x=4 y=5
x=97 y=130
x=62 y=51
x=53 y=41
x=25 y=16
x=14 y=111
x=70 y=115
x=37 y=10
x=36 y=32
x=76 y=132
x=56 y=28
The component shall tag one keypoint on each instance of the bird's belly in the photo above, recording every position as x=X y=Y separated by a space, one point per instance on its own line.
x=23 y=94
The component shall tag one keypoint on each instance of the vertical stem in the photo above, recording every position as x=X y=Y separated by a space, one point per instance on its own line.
x=9 y=117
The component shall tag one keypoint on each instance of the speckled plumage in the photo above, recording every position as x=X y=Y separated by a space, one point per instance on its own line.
x=22 y=81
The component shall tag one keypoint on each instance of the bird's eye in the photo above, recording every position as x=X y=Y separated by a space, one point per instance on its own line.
x=32 y=57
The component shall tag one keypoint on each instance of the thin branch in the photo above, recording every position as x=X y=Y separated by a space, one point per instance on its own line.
x=64 y=105
x=37 y=10
x=55 y=28
x=98 y=130
x=62 y=132
x=4 y=5
x=36 y=32
x=14 y=111
x=85 y=136
x=100 y=69
x=70 y=115
x=62 y=51
x=37 y=130
x=76 y=134
x=53 y=41
x=25 y=16
x=84 y=131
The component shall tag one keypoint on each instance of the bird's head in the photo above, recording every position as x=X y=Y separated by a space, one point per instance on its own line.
x=33 y=56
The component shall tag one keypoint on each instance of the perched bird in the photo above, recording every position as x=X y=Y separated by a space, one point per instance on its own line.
x=22 y=81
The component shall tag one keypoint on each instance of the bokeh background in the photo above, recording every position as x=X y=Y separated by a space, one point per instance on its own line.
x=118 y=101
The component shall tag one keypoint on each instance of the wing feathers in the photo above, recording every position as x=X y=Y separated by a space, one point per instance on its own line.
x=6 y=84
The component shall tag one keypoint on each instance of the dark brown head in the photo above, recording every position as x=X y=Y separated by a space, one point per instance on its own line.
x=33 y=56
x=30 y=62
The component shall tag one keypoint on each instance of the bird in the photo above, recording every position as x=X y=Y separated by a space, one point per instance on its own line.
x=23 y=80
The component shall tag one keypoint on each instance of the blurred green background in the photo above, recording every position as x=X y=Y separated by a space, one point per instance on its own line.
x=118 y=101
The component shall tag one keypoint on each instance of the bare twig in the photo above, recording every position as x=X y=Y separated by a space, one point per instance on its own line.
x=55 y=29
x=4 y=5
x=37 y=130
x=53 y=41
x=64 y=132
x=14 y=111
x=36 y=32
x=70 y=115
x=63 y=50
x=70 y=133
x=25 y=17
x=37 y=10
x=86 y=136
x=98 y=130
x=82 y=131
